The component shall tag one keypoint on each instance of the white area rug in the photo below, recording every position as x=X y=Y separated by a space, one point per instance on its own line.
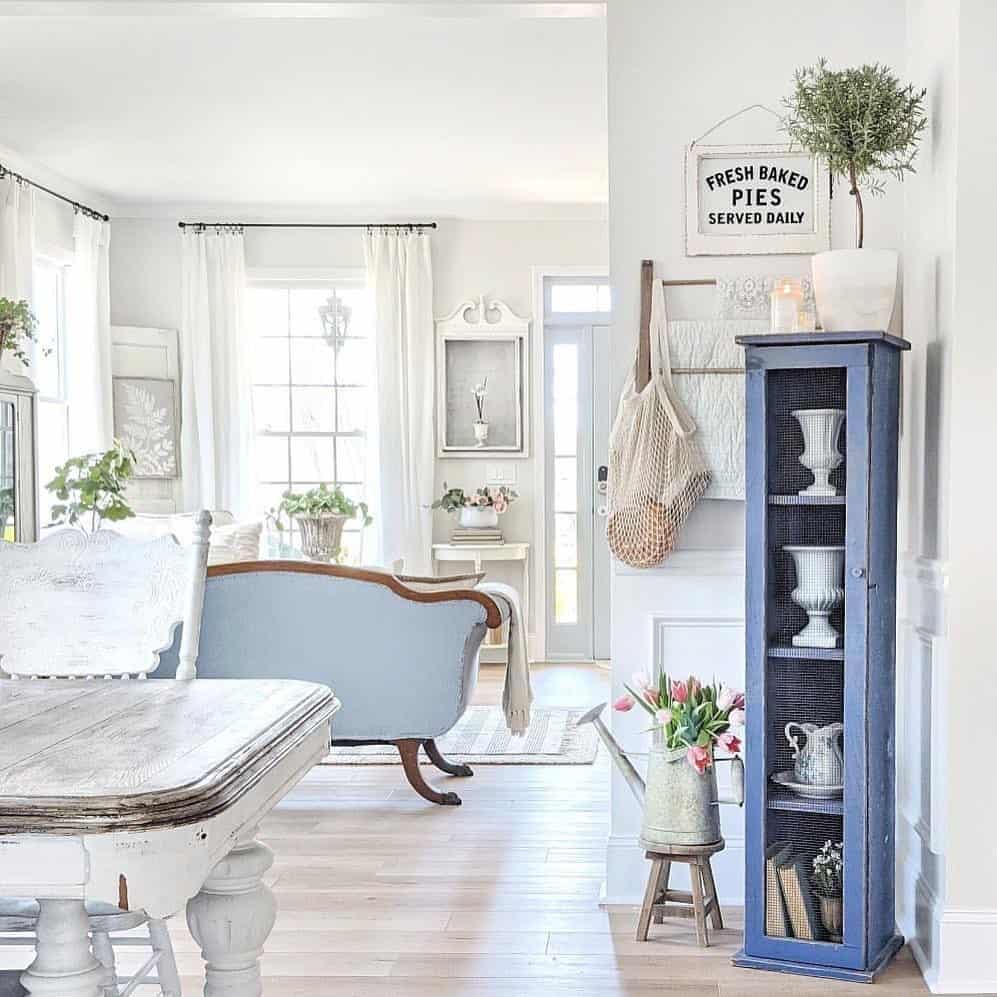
x=481 y=738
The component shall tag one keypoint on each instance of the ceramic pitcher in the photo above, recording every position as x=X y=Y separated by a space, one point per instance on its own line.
x=819 y=762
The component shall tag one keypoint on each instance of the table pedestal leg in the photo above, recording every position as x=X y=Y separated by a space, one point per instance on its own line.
x=231 y=919
x=64 y=966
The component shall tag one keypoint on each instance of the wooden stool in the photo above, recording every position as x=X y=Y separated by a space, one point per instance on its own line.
x=661 y=902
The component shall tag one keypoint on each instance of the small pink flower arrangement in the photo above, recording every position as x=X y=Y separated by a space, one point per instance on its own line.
x=691 y=715
x=455 y=499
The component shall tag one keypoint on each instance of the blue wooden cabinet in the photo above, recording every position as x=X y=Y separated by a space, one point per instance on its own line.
x=822 y=440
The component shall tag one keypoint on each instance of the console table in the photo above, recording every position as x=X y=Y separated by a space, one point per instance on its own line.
x=147 y=796
x=481 y=554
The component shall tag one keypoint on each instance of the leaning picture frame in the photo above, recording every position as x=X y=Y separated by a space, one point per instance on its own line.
x=481 y=346
x=147 y=421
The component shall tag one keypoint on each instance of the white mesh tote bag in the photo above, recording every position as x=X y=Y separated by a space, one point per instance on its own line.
x=656 y=471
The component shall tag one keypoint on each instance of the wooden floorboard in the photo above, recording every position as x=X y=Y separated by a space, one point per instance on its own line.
x=384 y=895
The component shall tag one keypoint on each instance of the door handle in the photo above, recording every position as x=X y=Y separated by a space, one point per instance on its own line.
x=602 y=479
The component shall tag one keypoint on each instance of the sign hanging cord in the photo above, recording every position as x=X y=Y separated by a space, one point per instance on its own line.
x=731 y=117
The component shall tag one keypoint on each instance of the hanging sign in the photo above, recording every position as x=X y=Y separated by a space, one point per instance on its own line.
x=755 y=199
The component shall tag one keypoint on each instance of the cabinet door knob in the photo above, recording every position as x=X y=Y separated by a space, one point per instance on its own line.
x=858 y=572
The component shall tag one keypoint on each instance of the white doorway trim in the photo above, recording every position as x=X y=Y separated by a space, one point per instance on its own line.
x=538 y=374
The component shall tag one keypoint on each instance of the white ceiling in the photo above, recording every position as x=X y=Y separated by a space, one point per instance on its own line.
x=459 y=116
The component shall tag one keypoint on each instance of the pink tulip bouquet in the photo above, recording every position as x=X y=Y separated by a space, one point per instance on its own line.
x=691 y=715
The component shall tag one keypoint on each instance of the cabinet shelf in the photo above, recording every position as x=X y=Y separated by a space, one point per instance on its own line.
x=786 y=800
x=807 y=653
x=806 y=499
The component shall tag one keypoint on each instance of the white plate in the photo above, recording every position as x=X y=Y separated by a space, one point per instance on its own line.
x=786 y=780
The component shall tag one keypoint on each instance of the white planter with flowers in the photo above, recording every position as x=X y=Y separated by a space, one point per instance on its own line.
x=477 y=510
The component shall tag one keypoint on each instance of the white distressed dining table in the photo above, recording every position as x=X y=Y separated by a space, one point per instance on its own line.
x=148 y=795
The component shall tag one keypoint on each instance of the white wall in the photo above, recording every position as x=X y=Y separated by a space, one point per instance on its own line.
x=470 y=258
x=674 y=70
x=948 y=902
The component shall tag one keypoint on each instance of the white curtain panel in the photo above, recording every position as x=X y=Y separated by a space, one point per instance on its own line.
x=401 y=477
x=17 y=247
x=216 y=439
x=88 y=337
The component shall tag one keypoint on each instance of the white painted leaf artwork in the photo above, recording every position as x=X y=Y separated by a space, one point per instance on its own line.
x=145 y=422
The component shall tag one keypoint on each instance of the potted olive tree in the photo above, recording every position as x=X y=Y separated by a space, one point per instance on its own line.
x=321 y=513
x=866 y=125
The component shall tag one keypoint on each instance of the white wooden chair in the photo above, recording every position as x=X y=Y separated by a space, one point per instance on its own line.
x=80 y=606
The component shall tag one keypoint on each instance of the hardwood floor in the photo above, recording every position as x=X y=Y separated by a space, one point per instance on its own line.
x=384 y=895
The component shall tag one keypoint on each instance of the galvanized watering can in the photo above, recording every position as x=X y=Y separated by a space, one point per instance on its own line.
x=680 y=805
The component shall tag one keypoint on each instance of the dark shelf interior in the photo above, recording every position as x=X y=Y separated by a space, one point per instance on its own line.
x=793 y=389
x=817 y=526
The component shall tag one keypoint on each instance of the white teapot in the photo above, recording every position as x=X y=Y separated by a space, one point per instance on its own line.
x=820 y=761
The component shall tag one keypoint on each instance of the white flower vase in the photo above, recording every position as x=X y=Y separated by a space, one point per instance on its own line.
x=480 y=432
x=855 y=289
x=819 y=591
x=478 y=517
x=821 y=428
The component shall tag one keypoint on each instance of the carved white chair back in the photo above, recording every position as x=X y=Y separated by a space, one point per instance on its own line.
x=79 y=605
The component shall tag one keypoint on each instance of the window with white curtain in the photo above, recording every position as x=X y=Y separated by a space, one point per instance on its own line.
x=312 y=393
x=48 y=372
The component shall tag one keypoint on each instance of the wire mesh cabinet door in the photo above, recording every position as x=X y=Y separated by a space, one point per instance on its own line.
x=822 y=425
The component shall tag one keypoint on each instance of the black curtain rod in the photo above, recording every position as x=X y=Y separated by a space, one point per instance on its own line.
x=4 y=172
x=307 y=224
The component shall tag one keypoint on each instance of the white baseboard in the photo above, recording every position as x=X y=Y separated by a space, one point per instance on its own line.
x=627 y=869
x=960 y=955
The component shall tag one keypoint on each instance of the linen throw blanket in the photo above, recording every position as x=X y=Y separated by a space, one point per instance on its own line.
x=518 y=693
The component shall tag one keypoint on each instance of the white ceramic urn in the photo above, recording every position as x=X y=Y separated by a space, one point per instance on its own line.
x=819 y=591
x=855 y=289
x=821 y=428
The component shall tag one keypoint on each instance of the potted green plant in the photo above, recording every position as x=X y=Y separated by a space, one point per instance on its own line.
x=91 y=488
x=866 y=125
x=321 y=513
x=17 y=328
x=478 y=509
x=828 y=870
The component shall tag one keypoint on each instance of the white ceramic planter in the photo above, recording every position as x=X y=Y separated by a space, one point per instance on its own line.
x=321 y=536
x=478 y=517
x=821 y=427
x=819 y=591
x=855 y=288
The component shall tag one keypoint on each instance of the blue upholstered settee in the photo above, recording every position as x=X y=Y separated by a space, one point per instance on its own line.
x=401 y=659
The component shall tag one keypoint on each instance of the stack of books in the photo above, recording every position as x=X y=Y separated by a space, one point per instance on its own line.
x=790 y=904
x=487 y=535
